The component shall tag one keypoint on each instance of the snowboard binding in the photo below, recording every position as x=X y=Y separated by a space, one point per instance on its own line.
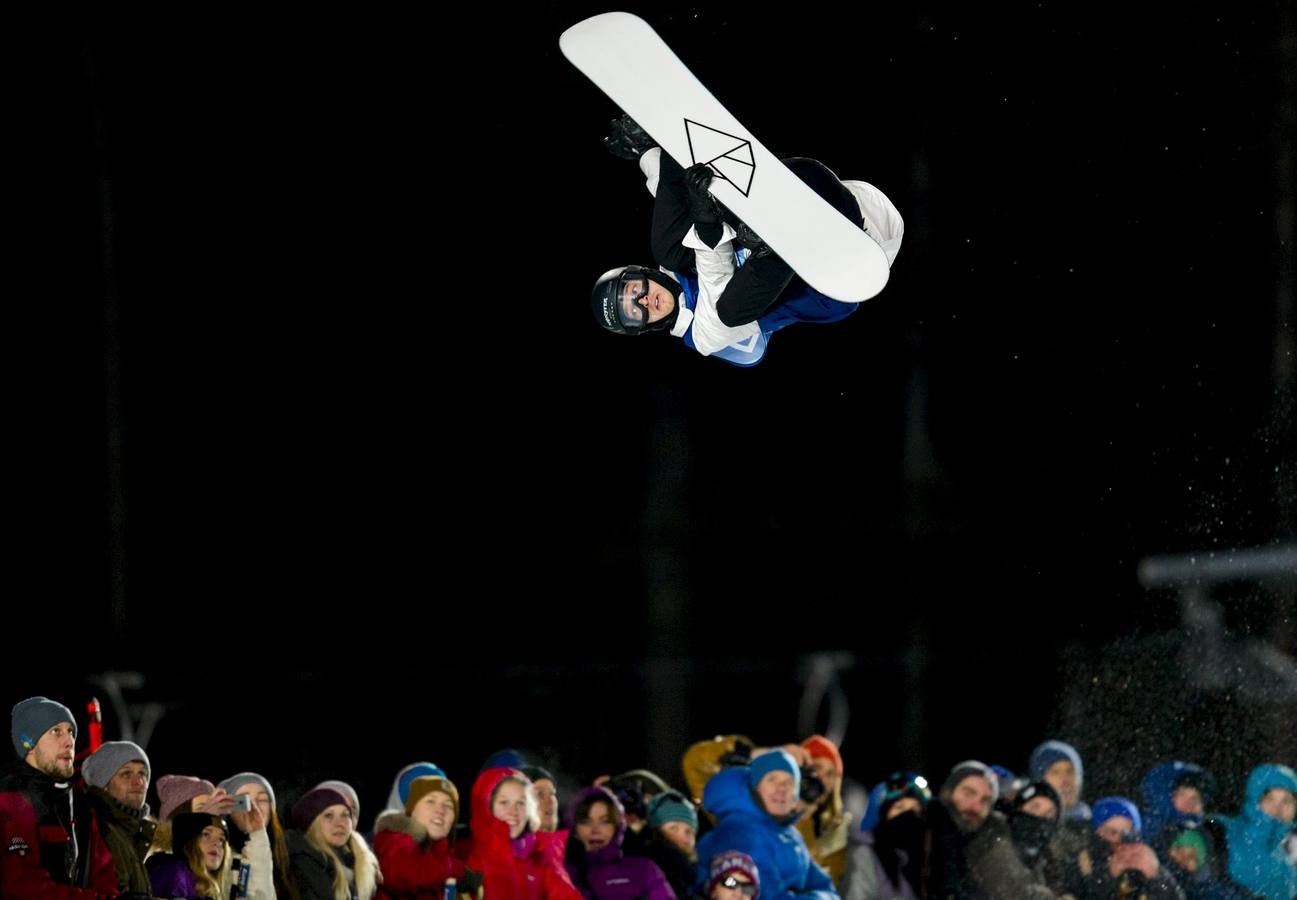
x=627 y=140
x=751 y=240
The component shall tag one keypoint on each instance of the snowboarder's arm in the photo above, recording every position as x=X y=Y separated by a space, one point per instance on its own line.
x=666 y=181
x=704 y=213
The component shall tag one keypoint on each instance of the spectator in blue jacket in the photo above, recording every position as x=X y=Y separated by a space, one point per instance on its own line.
x=755 y=807
x=1173 y=793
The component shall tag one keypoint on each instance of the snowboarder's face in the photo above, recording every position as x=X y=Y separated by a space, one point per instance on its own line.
x=644 y=300
x=1279 y=803
x=1061 y=776
x=776 y=792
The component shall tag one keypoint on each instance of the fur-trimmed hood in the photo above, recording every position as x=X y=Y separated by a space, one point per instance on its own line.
x=396 y=820
x=366 y=866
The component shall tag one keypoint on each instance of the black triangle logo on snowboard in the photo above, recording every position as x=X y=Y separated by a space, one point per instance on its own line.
x=728 y=154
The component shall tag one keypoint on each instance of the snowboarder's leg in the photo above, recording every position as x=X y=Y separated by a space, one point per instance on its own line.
x=765 y=279
x=822 y=181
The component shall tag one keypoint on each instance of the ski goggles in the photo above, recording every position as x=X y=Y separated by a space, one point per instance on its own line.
x=746 y=888
x=632 y=288
x=902 y=784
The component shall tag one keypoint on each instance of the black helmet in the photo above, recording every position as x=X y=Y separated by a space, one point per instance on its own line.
x=616 y=295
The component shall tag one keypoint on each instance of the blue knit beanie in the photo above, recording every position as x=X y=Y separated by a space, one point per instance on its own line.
x=509 y=759
x=1109 y=807
x=1051 y=752
x=418 y=770
x=401 y=783
x=773 y=761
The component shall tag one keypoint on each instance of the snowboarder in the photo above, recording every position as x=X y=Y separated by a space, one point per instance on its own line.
x=721 y=299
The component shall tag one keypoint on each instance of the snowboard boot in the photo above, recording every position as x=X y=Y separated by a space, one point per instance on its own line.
x=626 y=140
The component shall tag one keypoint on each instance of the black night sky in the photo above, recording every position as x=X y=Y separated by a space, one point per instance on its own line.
x=311 y=425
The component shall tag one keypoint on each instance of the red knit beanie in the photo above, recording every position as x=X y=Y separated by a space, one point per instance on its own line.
x=821 y=747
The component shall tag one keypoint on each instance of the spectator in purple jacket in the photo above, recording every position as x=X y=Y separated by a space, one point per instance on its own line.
x=198 y=867
x=599 y=868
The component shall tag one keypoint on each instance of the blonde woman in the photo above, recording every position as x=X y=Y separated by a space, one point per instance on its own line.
x=198 y=867
x=328 y=859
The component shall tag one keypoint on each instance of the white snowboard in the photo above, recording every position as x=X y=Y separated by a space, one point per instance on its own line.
x=627 y=60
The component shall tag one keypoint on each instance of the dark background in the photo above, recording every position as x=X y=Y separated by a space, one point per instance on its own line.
x=312 y=428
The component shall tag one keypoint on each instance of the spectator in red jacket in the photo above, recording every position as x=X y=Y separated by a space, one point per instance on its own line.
x=52 y=846
x=504 y=848
x=413 y=844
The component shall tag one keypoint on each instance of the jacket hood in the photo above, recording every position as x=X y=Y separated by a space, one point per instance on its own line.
x=485 y=827
x=612 y=851
x=1264 y=778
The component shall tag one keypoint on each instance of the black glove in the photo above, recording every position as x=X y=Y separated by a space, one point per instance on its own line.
x=626 y=139
x=469 y=883
x=741 y=755
x=702 y=205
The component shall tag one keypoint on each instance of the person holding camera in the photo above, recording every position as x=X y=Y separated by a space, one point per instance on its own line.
x=826 y=825
x=179 y=795
x=1117 y=863
x=257 y=837
x=755 y=807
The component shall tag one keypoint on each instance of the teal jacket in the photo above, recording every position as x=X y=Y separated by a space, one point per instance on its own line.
x=1256 y=857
